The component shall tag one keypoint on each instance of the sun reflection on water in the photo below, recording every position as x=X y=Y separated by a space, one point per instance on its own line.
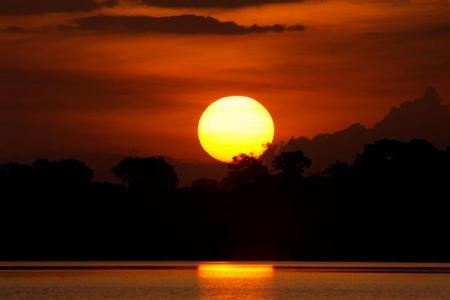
x=224 y=270
x=220 y=281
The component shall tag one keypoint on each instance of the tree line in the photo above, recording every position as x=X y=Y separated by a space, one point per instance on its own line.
x=390 y=203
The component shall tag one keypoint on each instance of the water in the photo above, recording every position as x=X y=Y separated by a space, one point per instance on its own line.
x=137 y=281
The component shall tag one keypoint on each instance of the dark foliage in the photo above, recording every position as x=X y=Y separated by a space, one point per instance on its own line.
x=152 y=173
x=245 y=170
x=292 y=165
x=391 y=203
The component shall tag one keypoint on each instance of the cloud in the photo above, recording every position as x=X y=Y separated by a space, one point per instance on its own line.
x=61 y=90
x=183 y=24
x=14 y=29
x=31 y=7
x=443 y=30
x=212 y=3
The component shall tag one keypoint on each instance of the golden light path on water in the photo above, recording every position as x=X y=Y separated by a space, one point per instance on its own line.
x=245 y=281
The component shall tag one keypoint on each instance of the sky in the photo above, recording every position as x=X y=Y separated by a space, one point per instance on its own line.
x=83 y=78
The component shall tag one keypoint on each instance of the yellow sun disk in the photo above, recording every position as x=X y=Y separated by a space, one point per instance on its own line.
x=234 y=125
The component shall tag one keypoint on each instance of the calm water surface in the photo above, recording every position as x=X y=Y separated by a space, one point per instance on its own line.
x=225 y=281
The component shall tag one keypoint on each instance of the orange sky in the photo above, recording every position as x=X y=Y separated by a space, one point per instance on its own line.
x=128 y=93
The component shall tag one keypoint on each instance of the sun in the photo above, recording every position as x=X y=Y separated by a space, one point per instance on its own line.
x=234 y=125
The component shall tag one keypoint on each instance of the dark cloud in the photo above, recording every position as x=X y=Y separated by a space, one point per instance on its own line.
x=14 y=29
x=30 y=7
x=64 y=90
x=212 y=3
x=443 y=30
x=416 y=32
x=183 y=24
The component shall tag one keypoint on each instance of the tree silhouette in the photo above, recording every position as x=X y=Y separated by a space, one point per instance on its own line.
x=244 y=169
x=291 y=165
x=393 y=158
x=16 y=179
x=391 y=203
x=447 y=158
x=151 y=174
x=205 y=185
x=338 y=169
x=63 y=173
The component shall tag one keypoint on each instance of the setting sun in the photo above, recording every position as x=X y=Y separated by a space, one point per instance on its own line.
x=235 y=125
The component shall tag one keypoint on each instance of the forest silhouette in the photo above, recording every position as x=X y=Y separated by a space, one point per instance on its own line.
x=390 y=203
